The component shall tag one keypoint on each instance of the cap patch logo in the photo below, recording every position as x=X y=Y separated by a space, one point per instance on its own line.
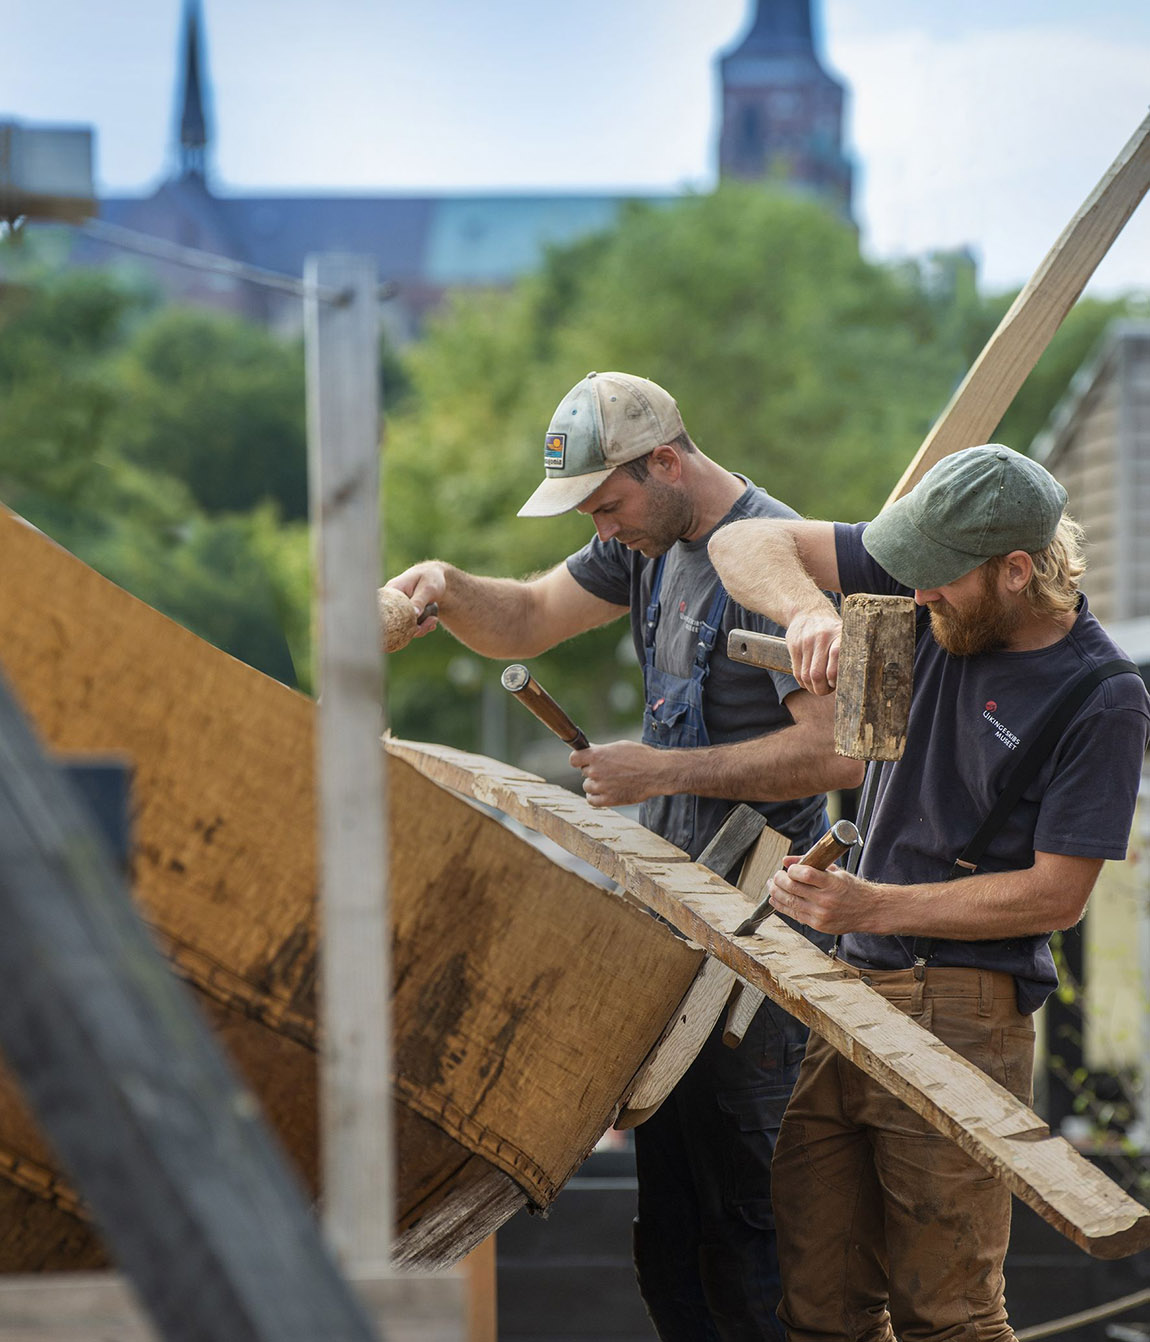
x=554 y=451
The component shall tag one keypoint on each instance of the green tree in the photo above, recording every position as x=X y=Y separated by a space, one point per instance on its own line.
x=57 y=333
x=66 y=338
x=218 y=403
x=793 y=360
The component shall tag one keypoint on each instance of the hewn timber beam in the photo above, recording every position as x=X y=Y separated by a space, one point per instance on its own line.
x=1003 y=1135
x=995 y=377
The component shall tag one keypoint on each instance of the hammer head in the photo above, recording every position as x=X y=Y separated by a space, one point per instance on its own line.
x=876 y=659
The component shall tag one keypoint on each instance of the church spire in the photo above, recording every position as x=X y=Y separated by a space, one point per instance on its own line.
x=780 y=27
x=782 y=111
x=192 y=148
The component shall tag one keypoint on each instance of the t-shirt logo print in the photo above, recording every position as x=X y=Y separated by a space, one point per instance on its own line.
x=1001 y=732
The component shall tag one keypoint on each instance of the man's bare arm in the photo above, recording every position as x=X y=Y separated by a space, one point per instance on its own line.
x=795 y=761
x=783 y=569
x=503 y=617
x=1051 y=894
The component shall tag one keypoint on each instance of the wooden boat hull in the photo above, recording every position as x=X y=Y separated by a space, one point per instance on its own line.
x=526 y=997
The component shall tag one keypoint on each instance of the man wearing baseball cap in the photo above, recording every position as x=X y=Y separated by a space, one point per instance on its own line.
x=715 y=733
x=1024 y=752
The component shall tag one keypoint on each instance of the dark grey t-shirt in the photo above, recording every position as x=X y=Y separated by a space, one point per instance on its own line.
x=971 y=719
x=739 y=701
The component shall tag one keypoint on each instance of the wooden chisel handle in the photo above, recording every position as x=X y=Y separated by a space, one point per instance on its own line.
x=840 y=838
x=744 y=645
x=535 y=699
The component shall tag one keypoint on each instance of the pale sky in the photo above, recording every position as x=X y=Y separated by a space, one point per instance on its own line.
x=983 y=123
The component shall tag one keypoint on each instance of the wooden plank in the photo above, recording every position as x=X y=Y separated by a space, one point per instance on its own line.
x=764 y=859
x=695 y=1017
x=482 y=1301
x=692 y=1023
x=224 y=870
x=986 y=392
x=166 y=1146
x=342 y=342
x=528 y=996
x=994 y=1128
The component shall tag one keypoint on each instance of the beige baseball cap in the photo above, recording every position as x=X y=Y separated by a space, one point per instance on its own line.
x=603 y=421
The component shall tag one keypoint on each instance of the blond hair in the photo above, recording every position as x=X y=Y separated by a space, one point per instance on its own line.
x=1053 y=586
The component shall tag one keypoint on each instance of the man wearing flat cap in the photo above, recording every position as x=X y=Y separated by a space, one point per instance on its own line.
x=715 y=733
x=1024 y=751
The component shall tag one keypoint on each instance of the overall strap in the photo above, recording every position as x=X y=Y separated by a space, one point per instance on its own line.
x=651 y=619
x=708 y=633
x=1024 y=773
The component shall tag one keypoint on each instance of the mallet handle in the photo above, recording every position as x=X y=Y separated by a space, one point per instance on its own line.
x=744 y=645
x=840 y=838
x=520 y=682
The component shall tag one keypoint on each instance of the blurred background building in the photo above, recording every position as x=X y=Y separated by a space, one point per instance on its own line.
x=782 y=123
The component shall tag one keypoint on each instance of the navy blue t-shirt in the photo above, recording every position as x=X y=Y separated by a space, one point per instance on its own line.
x=971 y=718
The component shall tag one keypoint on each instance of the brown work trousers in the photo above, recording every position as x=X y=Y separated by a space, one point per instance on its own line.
x=885 y=1227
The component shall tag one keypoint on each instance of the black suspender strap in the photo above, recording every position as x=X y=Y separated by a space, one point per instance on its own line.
x=1024 y=773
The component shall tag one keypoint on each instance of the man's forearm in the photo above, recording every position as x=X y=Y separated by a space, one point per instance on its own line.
x=981 y=907
x=776 y=767
x=492 y=616
x=1049 y=895
x=759 y=563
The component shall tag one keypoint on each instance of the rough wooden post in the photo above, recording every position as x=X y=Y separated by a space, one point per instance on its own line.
x=343 y=457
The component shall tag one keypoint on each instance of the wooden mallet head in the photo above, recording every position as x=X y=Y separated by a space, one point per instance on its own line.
x=876 y=661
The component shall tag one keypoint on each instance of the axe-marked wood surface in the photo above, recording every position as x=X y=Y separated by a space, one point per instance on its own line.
x=713 y=986
x=876 y=672
x=507 y=1068
x=985 y=394
x=999 y=1132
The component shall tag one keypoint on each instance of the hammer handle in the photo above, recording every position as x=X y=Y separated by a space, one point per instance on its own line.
x=840 y=838
x=519 y=681
x=744 y=645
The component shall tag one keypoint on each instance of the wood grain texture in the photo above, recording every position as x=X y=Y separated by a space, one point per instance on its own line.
x=357 y=1151
x=696 y=1014
x=876 y=671
x=985 y=394
x=764 y=859
x=994 y=1128
x=224 y=871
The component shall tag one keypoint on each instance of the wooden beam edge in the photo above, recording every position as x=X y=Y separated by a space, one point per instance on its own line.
x=1048 y=1174
x=985 y=393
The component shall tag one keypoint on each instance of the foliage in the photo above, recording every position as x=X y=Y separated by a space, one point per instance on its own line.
x=166 y=446
x=71 y=347
x=794 y=360
x=219 y=404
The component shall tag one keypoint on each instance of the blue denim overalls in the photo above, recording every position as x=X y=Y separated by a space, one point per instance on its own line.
x=673 y=719
x=704 y=1248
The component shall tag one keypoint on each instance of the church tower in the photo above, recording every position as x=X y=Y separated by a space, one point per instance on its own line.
x=782 y=111
x=192 y=121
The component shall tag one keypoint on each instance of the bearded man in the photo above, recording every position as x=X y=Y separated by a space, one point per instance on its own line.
x=1024 y=751
x=715 y=733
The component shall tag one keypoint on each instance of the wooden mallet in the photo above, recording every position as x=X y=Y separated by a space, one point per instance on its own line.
x=876 y=659
x=397 y=619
